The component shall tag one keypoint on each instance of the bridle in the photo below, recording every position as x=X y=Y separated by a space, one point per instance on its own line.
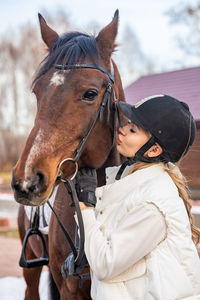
x=74 y=263
x=105 y=102
x=76 y=257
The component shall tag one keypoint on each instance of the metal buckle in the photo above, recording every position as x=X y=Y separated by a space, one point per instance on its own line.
x=76 y=165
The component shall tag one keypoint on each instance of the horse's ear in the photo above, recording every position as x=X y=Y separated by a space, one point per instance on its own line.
x=106 y=38
x=49 y=36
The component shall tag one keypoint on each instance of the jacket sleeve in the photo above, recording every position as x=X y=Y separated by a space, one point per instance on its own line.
x=138 y=233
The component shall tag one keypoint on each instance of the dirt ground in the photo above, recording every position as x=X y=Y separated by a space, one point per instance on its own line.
x=10 y=251
x=10 y=246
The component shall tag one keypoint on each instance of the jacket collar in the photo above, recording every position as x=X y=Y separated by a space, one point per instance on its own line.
x=128 y=183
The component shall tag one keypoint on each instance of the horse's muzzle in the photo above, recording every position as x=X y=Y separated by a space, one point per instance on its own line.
x=29 y=191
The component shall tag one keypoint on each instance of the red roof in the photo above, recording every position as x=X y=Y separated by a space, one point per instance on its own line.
x=182 y=84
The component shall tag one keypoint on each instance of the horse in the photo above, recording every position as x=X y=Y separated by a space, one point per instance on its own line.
x=73 y=81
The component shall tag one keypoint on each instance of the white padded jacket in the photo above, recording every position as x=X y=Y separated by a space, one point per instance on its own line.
x=138 y=240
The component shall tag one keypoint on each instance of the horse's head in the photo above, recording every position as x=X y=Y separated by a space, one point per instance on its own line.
x=71 y=85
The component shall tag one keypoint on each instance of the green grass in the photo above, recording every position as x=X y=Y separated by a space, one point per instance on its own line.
x=12 y=233
x=5 y=175
x=5 y=179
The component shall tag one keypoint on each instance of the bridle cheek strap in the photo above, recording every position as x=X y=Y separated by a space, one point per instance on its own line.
x=105 y=102
x=76 y=258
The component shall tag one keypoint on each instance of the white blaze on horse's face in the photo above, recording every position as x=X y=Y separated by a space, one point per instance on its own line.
x=57 y=79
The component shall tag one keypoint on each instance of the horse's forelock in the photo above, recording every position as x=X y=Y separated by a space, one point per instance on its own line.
x=69 y=49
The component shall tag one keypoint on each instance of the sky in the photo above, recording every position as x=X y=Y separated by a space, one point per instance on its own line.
x=147 y=18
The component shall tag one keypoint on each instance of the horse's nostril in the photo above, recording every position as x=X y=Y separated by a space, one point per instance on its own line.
x=41 y=182
x=34 y=185
x=37 y=184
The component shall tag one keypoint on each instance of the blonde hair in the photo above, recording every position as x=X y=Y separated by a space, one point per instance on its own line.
x=183 y=190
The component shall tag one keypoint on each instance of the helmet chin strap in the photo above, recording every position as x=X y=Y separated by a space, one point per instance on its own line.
x=139 y=156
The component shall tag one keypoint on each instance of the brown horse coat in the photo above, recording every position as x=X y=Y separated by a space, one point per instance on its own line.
x=67 y=104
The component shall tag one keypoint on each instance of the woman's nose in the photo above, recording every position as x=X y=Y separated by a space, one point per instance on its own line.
x=122 y=130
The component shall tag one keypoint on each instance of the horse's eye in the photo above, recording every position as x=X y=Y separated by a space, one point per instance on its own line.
x=89 y=95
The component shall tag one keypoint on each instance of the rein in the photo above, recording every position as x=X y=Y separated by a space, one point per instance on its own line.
x=76 y=261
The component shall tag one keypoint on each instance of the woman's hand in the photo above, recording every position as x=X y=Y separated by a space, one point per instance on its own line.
x=83 y=206
x=86 y=182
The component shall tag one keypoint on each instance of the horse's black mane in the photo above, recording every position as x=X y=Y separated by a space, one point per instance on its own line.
x=69 y=49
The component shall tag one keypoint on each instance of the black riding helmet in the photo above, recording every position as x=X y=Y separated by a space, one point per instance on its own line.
x=170 y=123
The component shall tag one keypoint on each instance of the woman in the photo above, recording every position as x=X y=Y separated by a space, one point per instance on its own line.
x=140 y=239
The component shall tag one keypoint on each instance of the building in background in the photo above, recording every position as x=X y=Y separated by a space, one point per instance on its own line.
x=184 y=85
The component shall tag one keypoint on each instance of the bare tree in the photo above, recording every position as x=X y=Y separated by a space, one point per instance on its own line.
x=130 y=58
x=19 y=58
x=58 y=20
x=188 y=16
x=22 y=56
x=8 y=91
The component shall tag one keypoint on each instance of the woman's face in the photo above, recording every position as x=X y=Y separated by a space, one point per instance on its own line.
x=130 y=139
